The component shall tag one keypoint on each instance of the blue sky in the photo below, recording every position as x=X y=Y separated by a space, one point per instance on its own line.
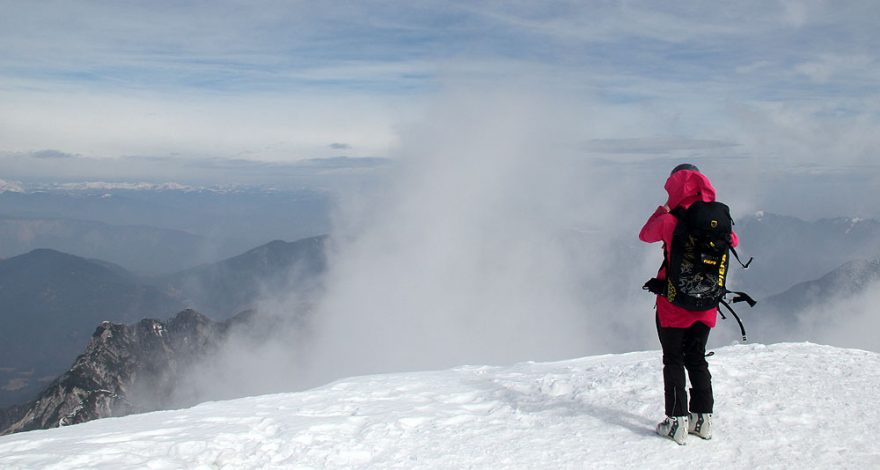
x=284 y=81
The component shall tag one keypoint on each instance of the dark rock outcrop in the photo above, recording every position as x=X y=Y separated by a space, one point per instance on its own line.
x=50 y=301
x=124 y=370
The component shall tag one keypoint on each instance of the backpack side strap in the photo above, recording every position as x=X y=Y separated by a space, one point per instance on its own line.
x=743 y=297
x=736 y=255
x=742 y=328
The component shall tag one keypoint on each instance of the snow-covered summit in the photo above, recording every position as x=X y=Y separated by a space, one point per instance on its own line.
x=779 y=406
x=10 y=187
x=139 y=186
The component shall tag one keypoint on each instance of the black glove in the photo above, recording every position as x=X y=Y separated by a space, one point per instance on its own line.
x=655 y=286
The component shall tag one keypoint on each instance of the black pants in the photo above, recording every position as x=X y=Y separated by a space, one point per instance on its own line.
x=685 y=348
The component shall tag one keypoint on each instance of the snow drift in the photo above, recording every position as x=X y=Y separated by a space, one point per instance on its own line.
x=780 y=406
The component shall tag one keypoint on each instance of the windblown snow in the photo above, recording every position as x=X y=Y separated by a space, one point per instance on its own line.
x=778 y=406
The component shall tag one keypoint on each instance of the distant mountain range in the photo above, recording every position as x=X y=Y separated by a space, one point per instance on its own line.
x=109 y=186
x=50 y=301
x=846 y=281
x=156 y=231
x=147 y=249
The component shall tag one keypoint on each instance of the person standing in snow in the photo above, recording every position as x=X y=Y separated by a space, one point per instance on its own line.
x=683 y=333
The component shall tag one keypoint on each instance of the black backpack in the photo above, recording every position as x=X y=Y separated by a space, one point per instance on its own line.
x=696 y=268
x=696 y=271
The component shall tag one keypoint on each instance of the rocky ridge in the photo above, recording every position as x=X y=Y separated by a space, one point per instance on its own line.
x=124 y=370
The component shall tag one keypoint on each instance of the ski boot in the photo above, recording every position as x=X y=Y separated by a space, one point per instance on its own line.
x=675 y=428
x=700 y=424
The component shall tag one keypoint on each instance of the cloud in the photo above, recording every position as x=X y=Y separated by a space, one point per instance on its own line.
x=320 y=173
x=753 y=67
x=655 y=146
x=847 y=320
x=481 y=248
x=52 y=154
x=854 y=329
x=848 y=67
x=393 y=48
x=692 y=81
x=258 y=127
x=337 y=163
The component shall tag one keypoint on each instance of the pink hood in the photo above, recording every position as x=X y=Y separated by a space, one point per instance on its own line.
x=686 y=187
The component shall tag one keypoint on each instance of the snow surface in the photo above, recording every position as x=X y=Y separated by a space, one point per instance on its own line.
x=779 y=406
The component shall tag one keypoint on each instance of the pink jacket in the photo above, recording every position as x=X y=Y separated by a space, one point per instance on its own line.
x=684 y=188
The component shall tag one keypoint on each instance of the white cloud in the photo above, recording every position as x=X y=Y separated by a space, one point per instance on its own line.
x=260 y=127
x=789 y=80
x=483 y=247
x=51 y=154
x=850 y=68
x=854 y=325
x=753 y=67
x=795 y=12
